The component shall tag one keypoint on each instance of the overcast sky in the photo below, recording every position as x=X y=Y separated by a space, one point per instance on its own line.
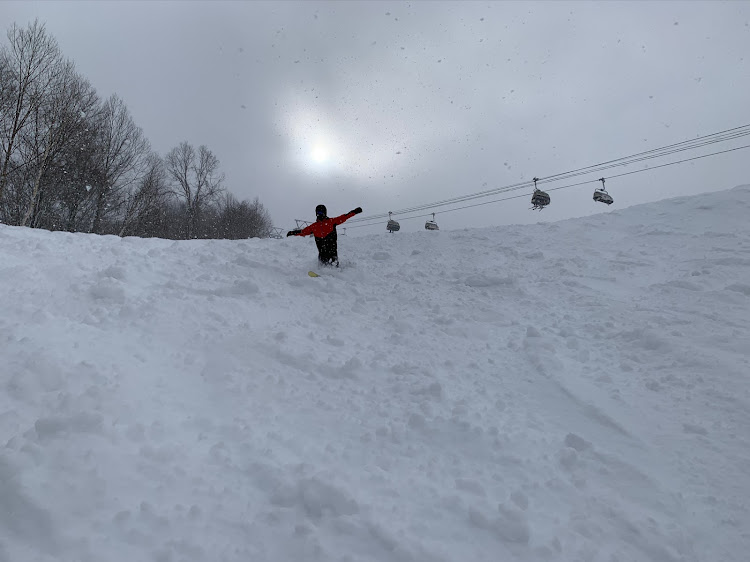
x=386 y=105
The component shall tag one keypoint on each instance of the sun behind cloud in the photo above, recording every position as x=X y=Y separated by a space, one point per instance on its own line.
x=315 y=145
x=320 y=154
x=336 y=143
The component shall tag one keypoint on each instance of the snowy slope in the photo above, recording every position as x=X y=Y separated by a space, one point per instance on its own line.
x=568 y=391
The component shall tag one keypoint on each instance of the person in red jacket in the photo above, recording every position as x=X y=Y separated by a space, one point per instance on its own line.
x=324 y=230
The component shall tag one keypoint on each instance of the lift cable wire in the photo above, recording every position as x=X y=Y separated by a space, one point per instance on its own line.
x=521 y=185
x=655 y=153
x=691 y=144
x=378 y=222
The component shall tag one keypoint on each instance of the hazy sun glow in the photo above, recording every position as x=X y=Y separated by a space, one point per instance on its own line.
x=333 y=145
x=320 y=154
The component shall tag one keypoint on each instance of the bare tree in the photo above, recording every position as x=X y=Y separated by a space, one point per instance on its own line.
x=7 y=96
x=238 y=220
x=123 y=152
x=57 y=122
x=165 y=221
x=196 y=181
x=29 y=70
x=144 y=204
x=261 y=225
x=70 y=162
x=74 y=174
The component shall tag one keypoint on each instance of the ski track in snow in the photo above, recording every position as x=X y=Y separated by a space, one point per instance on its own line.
x=568 y=391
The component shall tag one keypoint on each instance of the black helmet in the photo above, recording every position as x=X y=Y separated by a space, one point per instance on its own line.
x=321 y=211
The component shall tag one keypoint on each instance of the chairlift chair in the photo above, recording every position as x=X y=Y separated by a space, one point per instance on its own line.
x=539 y=199
x=603 y=197
x=392 y=225
x=431 y=225
x=601 y=194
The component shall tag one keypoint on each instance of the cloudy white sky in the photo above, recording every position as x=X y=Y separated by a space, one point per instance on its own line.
x=386 y=105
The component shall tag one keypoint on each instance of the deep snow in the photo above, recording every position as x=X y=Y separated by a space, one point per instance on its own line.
x=569 y=391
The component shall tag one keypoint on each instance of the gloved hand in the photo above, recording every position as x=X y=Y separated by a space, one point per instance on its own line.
x=293 y=233
x=356 y=211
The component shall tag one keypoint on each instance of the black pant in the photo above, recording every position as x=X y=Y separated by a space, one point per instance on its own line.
x=328 y=253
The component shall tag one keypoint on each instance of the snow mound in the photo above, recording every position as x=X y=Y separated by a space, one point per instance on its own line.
x=567 y=391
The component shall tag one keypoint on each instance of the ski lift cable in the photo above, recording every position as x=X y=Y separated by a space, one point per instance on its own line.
x=567 y=186
x=690 y=144
x=511 y=188
x=678 y=162
x=558 y=177
x=650 y=157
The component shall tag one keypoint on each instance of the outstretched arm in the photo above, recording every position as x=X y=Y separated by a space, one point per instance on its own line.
x=304 y=232
x=342 y=218
x=308 y=230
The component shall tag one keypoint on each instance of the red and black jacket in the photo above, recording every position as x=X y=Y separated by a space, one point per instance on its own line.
x=326 y=238
x=323 y=227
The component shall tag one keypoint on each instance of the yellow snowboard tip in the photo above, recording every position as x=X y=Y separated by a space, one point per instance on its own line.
x=312 y=274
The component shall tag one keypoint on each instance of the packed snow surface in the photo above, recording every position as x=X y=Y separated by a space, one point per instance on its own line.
x=569 y=391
